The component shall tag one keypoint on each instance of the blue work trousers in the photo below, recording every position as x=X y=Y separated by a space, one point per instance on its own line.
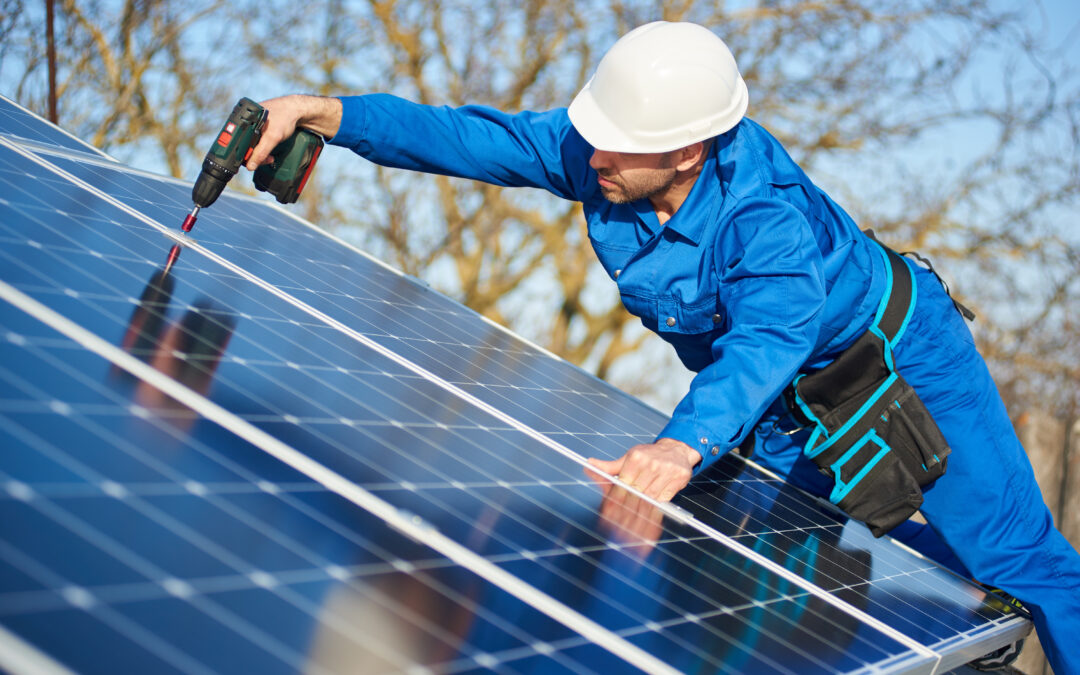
x=987 y=511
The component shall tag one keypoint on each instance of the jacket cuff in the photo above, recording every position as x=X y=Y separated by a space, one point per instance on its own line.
x=353 y=120
x=706 y=441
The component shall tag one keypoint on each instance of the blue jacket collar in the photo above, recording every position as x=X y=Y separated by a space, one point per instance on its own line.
x=704 y=198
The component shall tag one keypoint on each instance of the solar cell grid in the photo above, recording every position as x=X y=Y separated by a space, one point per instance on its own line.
x=461 y=515
x=421 y=325
x=639 y=626
x=482 y=471
x=162 y=533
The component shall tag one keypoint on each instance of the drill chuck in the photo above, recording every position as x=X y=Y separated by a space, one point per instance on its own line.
x=210 y=183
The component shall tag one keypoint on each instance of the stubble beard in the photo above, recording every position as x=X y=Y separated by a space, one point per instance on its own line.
x=645 y=188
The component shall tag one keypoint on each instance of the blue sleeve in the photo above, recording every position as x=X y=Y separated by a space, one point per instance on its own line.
x=529 y=149
x=772 y=289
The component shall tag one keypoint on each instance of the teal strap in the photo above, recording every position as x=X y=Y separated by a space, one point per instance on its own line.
x=890 y=321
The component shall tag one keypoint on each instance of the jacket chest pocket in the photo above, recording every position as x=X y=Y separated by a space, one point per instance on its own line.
x=675 y=317
x=640 y=306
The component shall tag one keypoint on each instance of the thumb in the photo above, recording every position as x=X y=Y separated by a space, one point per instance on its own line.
x=611 y=467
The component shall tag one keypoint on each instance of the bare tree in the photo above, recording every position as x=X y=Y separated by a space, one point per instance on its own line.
x=945 y=126
x=130 y=75
x=843 y=84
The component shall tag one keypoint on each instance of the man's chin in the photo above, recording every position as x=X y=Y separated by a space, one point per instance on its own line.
x=614 y=195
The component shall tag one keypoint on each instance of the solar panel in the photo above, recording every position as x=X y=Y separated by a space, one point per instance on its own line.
x=278 y=443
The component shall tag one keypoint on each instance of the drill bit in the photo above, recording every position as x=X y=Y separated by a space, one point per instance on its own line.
x=189 y=221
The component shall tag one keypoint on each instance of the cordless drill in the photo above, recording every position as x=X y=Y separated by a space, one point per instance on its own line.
x=285 y=177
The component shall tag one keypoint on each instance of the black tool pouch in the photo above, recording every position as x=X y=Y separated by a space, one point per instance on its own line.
x=871 y=433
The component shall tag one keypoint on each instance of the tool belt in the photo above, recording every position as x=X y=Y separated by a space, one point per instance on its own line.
x=870 y=431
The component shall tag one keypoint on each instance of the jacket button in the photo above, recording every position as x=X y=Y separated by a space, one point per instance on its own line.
x=716 y=318
x=617 y=273
x=670 y=321
x=715 y=450
x=704 y=440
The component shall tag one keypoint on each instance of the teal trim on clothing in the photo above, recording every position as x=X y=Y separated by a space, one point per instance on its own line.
x=841 y=488
x=852 y=421
x=888 y=290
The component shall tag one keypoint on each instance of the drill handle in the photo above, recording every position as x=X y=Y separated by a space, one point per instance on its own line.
x=293 y=160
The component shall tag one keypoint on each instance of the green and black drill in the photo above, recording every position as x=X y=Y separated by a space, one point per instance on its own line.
x=285 y=177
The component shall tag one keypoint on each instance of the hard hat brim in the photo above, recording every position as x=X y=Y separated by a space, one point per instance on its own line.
x=602 y=133
x=598 y=129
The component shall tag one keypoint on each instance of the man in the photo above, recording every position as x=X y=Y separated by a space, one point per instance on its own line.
x=724 y=247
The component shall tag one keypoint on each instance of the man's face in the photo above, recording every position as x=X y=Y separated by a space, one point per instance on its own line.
x=626 y=177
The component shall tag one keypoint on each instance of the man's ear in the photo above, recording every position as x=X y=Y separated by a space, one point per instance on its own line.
x=691 y=155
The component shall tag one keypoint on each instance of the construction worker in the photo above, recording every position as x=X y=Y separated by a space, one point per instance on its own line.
x=724 y=247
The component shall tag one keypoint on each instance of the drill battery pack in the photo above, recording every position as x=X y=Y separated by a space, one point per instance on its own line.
x=294 y=158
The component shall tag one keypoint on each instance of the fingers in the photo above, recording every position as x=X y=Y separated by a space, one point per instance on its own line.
x=658 y=471
x=319 y=114
x=667 y=491
x=281 y=119
x=627 y=468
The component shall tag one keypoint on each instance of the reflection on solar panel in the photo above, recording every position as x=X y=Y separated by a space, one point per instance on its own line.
x=279 y=455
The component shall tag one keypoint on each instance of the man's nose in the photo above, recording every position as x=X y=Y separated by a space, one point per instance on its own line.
x=600 y=159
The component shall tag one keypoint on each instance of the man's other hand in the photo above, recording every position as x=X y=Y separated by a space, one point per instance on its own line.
x=657 y=469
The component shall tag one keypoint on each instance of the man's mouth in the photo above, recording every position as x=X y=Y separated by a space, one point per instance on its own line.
x=604 y=182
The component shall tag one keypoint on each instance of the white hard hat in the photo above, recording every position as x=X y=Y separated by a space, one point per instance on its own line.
x=661 y=87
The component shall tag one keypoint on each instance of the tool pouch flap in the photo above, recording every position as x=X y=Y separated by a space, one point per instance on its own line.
x=871 y=434
x=834 y=394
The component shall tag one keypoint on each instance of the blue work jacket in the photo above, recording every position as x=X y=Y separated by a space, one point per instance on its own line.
x=756 y=276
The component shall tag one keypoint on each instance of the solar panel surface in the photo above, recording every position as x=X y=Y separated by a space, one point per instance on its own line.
x=298 y=344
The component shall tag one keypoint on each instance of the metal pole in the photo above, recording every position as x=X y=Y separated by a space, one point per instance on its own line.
x=50 y=48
